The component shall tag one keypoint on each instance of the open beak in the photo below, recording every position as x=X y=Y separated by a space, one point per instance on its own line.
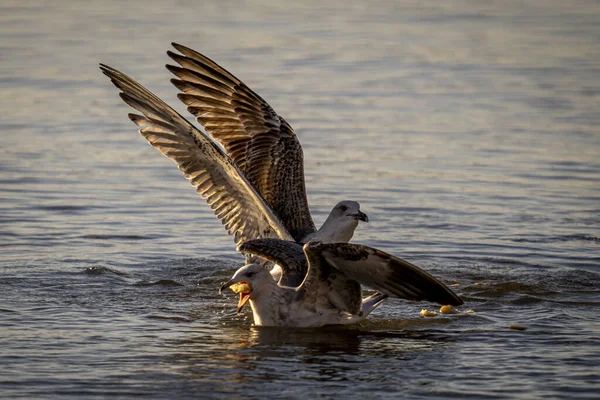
x=243 y=288
x=361 y=216
x=244 y=297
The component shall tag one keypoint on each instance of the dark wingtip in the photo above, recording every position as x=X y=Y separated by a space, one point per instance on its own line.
x=106 y=69
x=449 y=298
x=172 y=68
x=453 y=298
x=459 y=301
x=445 y=296
x=181 y=48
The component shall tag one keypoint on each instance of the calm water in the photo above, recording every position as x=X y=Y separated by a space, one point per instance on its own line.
x=468 y=131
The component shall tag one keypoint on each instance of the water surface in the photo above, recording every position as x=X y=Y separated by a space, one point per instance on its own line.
x=467 y=131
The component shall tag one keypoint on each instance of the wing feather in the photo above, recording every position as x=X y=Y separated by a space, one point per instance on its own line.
x=242 y=210
x=260 y=142
x=288 y=255
x=324 y=282
x=381 y=271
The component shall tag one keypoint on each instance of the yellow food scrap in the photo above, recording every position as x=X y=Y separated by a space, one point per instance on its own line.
x=241 y=287
x=448 y=310
x=427 y=313
x=469 y=312
x=454 y=284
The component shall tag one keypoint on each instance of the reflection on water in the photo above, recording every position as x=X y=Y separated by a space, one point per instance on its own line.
x=468 y=131
x=332 y=339
x=262 y=355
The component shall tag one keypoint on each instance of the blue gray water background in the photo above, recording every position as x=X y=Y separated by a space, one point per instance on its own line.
x=468 y=131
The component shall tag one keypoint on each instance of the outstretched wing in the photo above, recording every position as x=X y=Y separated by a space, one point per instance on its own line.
x=234 y=200
x=261 y=143
x=288 y=255
x=377 y=269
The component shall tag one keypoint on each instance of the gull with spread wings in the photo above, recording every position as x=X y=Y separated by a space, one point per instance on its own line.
x=255 y=185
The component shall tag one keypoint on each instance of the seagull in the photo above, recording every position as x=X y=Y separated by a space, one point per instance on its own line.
x=248 y=166
x=330 y=292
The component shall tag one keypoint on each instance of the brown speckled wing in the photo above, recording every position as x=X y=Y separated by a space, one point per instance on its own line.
x=323 y=282
x=380 y=271
x=233 y=199
x=261 y=143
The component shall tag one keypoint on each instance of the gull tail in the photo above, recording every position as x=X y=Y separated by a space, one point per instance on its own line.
x=372 y=302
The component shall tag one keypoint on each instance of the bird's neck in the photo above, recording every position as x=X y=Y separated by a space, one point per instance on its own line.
x=267 y=302
x=336 y=231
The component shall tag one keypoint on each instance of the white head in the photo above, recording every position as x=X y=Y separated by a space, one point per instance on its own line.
x=341 y=222
x=348 y=210
x=247 y=281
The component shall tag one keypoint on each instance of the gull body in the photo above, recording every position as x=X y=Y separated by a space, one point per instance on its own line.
x=275 y=305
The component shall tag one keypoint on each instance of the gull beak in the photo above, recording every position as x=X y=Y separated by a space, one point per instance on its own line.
x=361 y=216
x=225 y=286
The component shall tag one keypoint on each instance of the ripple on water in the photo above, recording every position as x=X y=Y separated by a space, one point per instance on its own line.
x=474 y=151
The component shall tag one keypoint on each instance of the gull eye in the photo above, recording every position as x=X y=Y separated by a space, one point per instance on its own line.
x=250 y=274
x=343 y=208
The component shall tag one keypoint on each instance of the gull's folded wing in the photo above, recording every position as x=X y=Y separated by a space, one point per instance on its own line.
x=261 y=143
x=378 y=270
x=235 y=202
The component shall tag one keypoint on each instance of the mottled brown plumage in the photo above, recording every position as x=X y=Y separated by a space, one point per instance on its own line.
x=260 y=142
x=255 y=182
x=238 y=205
x=384 y=272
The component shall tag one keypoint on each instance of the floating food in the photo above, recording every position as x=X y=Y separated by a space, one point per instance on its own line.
x=427 y=313
x=445 y=310
x=448 y=310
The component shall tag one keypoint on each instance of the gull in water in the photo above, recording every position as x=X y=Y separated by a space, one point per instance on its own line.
x=253 y=181
x=330 y=291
